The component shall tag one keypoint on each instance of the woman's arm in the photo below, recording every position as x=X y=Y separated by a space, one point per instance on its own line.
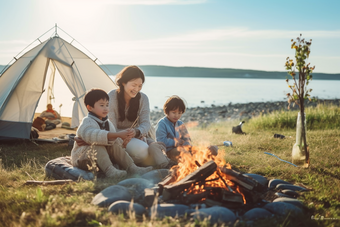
x=113 y=108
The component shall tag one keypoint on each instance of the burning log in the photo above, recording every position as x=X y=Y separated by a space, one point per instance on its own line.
x=214 y=196
x=239 y=178
x=193 y=198
x=199 y=175
x=249 y=187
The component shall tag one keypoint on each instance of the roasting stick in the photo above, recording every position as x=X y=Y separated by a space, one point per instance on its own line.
x=134 y=123
x=132 y=126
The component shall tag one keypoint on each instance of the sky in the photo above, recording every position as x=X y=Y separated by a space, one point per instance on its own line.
x=244 y=34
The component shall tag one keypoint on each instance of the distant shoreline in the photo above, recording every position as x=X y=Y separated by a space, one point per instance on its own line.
x=203 y=72
x=236 y=111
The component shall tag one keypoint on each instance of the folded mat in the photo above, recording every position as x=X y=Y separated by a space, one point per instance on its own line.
x=61 y=169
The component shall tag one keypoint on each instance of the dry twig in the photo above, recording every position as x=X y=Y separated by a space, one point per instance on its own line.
x=53 y=182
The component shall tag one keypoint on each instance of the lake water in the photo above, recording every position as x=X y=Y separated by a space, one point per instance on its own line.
x=207 y=91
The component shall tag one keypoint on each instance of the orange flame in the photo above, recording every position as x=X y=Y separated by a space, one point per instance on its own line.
x=187 y=165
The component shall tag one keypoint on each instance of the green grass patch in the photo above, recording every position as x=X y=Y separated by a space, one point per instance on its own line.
x=70 y=205
x=321 y=117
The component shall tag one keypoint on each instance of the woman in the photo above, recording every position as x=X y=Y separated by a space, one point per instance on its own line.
x=128 y=107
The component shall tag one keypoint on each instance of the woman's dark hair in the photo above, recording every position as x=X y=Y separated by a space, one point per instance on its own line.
x=128 y=73
x=173 y=103
x=95 y=95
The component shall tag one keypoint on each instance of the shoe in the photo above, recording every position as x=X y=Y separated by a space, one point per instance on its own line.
x=133 y=169
x=112 y=172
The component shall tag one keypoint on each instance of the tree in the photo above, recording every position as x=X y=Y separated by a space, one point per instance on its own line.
x=299 y=86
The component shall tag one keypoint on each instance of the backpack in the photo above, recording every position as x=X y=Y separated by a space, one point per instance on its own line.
x=39 y=124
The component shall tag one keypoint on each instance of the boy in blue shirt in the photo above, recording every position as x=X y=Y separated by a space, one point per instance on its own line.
x=170 y=130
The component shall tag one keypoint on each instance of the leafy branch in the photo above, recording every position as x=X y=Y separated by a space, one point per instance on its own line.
x=299 y=86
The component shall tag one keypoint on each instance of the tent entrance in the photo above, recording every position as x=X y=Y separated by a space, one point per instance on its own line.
x=56 y=92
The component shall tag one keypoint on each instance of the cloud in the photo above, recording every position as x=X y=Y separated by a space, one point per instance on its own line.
x=230 y=33
x=14 y=42
x=212 y=39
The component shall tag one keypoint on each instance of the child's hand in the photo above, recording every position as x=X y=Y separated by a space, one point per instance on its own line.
x=179 y=142
x=126 y=141
x=131 y=132
x=127 y=133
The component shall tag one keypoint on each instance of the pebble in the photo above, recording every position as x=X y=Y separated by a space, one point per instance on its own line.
x=237 y=111
x=122 y=206
x=290 y=193
x=292 y=201
x=261 y=179
x=282 y=209
x=156 y=176
x=290 y=187
x=110 y=195
x=167 y=209
x=215 y=214
x=279 y=194
x=273 y=182
x=256 y=213
x=136 y=187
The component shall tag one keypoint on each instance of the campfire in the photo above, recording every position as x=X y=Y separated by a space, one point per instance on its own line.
x=201 y=177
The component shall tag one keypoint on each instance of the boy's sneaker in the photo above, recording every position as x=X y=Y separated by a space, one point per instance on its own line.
x=112 y=172
x=133 y=169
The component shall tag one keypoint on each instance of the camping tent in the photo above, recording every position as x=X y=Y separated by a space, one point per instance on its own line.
x=22 y=84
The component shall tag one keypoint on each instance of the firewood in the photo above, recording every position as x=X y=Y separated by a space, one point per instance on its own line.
x=199 y=175
x=239 y=178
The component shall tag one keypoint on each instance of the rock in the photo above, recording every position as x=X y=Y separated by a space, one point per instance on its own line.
x=290 y=187
x=141 y=182
x=261 y=179
x=238 y=111
x=256 y=213
x=136 y=187
x=167 y=209
x=291 y=193
x=216 y=215
x=292 y=201
x=122 y=206
x=283 y=209
x=273 y=182
x=110 y=195
x=156 y=176
x=279 y=194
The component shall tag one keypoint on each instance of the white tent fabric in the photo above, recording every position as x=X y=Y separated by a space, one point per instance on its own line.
x=22 y=84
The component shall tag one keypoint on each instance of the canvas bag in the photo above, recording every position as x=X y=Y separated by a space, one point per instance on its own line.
x=39 y=124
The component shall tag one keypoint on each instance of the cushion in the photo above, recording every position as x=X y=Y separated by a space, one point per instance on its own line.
x=61 y=169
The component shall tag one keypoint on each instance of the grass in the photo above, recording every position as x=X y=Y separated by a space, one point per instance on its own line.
x=70 y=205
